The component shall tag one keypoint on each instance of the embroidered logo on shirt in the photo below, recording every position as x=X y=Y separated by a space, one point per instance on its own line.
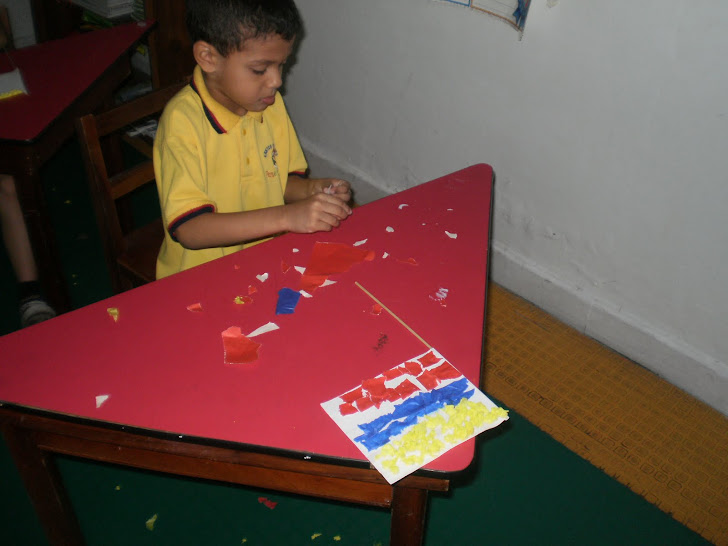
x=271 y=148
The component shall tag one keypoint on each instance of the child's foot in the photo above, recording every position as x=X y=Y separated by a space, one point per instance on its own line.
x=35 y=310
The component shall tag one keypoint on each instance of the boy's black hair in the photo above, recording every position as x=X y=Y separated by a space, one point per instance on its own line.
x=226 y=24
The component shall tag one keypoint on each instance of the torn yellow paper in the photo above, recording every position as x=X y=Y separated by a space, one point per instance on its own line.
x=151 y=521
x=432 y=434
x=315 y=536
x=113 y=313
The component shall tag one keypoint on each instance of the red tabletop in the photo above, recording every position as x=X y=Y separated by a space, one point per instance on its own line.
x=57 y=72
x=163 y=367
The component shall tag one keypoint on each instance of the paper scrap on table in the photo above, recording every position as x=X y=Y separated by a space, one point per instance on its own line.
x=287 y=301
x=113 y=313
x=451 y=235
x=411 y=414
x=262 y=277
x=100 y=399
x=269 y=327
x=238 y=348
x=195 y=307
x=329 y=259
x=440 y=296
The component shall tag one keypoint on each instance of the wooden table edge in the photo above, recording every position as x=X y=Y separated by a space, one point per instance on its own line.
x=33 y=439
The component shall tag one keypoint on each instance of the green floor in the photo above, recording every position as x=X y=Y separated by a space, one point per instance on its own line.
x=524 y=488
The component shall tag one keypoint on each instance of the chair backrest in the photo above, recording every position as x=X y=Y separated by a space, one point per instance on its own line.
x=130 y=252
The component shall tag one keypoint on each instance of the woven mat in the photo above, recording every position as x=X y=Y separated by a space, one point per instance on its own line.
x=649 y=435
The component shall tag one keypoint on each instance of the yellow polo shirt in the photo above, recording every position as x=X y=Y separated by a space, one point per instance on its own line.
x=207 y=159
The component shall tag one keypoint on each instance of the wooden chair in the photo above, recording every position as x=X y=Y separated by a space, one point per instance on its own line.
x=131 y=252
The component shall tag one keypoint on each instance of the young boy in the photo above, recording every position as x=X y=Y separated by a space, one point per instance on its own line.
x=227 y=160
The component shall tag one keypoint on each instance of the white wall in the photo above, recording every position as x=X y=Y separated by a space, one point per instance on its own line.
x=606 y=125
x=21 y=21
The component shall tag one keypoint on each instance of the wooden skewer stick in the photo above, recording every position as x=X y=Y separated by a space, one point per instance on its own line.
x=388 y=310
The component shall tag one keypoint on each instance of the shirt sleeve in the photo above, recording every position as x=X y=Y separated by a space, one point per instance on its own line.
x=178 y=168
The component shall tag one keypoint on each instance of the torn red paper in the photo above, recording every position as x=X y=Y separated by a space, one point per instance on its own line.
x=309 y=283
x=195 y=307
x=347 y=408
x=328 y=259
x=238 y=348
x=429 y=359
x=352 y=396
x=267 y=502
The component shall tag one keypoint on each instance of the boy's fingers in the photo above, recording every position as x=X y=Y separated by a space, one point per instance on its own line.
x=337 y=207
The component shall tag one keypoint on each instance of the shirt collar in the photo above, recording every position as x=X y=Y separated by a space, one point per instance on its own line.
x=221 y=119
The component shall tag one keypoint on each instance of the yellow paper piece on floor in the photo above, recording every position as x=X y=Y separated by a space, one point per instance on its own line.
x=151 y=521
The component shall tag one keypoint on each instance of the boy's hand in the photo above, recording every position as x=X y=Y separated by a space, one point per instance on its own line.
x=340 y=189
x=320 y=212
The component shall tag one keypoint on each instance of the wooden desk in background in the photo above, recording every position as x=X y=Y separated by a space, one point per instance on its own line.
x=174 y=405
x=170 y=49
x=65 y=78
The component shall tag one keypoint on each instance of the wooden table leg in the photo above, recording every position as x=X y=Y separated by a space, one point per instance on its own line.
x=409 y=507
x=33 y=440
x=44 y=486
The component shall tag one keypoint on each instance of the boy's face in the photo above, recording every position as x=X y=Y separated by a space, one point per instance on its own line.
x=247 y=80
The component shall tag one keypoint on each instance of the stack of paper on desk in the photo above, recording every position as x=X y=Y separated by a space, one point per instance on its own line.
x=107 y=8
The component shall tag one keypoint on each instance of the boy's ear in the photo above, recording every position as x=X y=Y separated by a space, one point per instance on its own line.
x=205 y=55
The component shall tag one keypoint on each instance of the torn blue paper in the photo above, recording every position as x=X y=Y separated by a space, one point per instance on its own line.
x=287 y=301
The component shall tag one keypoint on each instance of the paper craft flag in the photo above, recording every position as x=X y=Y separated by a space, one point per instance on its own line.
x=411 y=414
x=328 y=259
